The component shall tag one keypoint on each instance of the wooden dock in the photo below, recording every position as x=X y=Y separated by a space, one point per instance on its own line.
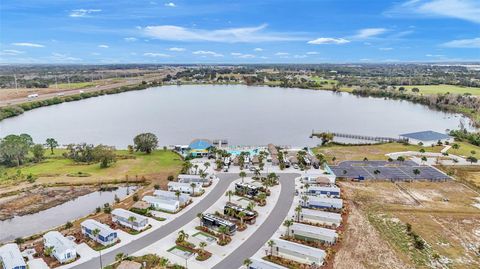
x=359 y=137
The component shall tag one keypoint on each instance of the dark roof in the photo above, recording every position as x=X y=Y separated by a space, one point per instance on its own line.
x=200 y=144
x=426 y=136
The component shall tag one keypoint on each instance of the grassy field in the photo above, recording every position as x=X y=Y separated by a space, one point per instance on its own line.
x=465 y=149
x=442 y=214
x=435 y=89
x=372 y=152
x=76 y=85
x=55 y=168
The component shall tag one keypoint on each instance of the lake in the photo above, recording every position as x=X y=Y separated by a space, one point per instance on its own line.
x=244 y=115
x=30 y=224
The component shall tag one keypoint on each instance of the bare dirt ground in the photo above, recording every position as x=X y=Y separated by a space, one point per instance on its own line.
x=39 y=199
x=442 y=214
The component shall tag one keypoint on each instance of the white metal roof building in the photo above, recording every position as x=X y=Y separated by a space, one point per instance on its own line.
x=63 y=249
x=106 y=235
x=11 y=258
x=298 y=252
x=320 y=217
x=322 y=202
x=313 y=233
x=184 y=178
x=122 y=217
x=169 y=205
x=331 y=191
x=184 y=187
x=170 y=195
x=261 y=264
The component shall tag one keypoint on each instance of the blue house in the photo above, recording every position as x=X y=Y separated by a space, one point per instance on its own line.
x=199 y=147
x=106 y=235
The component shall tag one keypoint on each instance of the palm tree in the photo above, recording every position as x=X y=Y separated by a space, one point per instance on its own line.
x=48 y=251
x=262 y=197
x=455 y=146
x=242 y=175
x=257 y=173
x=288 y=223
x=95 y=233
x=200 y=216
x=298 y=210
x=163 y=262
x=196 y=168
x=247 y=263
x=202 y=246
x=231 y=212
x=424 y=159
x=416 y=171
x=306 y=187
x=193 y=185
x=120 y=256
x=271 y=244
x=186 y=166
x=132 y=220
x=251 y=206
x=207 y=165
x=178 y=193
x=229 y=193
x=223 y=231
x=241 y=216
x=182 y=236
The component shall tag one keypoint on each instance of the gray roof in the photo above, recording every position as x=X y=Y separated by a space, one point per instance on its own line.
x=59 y=242
x=93 y=224
x=159 y=200
x=120 y=212
x=426 y=136
x=314 y=230
x=11 y=256
x=299 y=249
x=261 y=264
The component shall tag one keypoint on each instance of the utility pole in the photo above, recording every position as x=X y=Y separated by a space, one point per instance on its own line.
x=56 y=82
x=68 y=81
x=15 y=78
x=101 y=265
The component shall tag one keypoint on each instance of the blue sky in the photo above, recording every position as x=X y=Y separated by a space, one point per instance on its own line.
x=246 y=31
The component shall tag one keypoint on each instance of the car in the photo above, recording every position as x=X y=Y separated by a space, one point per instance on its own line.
x=80 y=91
x=225 y=169
x=252 y=168
x=295 y=166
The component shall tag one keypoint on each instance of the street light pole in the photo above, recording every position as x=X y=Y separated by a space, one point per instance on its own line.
x=101 y=265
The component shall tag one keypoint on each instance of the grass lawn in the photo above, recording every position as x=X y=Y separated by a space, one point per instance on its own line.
x=76 y=85
x=435 y=89
x=55 y=168
x=372 y=152
x=328 y=84
x=465 y=149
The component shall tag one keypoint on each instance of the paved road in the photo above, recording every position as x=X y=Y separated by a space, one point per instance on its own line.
x=234 y=260
x=267 y=229
x=142 y=242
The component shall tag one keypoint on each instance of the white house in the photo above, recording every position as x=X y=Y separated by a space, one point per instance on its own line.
x=106 y=235
x=427 y=138
x=184 y=178
x=320 y=217
x=63 y=250
x=261 y=264
x=129 y=219
x=313 y=233
x=185 y=187
x=183 y=198
x=330 y=191
x=11 y=258
x=297 y=252
x=169 y=205
x=322 y=202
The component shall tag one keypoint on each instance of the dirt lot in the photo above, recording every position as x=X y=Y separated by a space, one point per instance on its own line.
x=38 y=199
x=442 y=214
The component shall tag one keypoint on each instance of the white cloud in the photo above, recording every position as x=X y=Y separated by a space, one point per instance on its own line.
x=26 y=44
x=434 y=55
x=170 y=4
x=207 y=53
x=385 y=49
x=103 y=46
x=177 y=49
x=258 y=49
x=11 y=52
x=228 y=35
x=282 y=54
x=80 y=13
x=460 y=9
x=130 y=39
x=58 y=57
x=328 y=40
x=155 y=54
x=242 y=55
x=463 y=43
x=369 y=32
x=299 y=56
x=312 y=53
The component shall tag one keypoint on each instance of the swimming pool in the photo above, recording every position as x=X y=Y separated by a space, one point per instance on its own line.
x=236 y=152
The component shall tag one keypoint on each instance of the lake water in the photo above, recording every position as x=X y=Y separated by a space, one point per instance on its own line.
x=27 y=225
x=244 y=115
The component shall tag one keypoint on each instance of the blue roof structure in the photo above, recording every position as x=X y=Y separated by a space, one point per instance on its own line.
x=426 y=136
x=200 y=144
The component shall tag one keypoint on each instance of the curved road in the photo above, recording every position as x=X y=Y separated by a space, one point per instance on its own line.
x=234 y=260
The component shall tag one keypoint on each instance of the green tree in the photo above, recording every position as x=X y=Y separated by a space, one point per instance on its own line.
x=271 y=244
x=242 y=175
x=288 y=224
x=229 y=194
x=48 y=251
x=13 y=150
x=52 y=144
x=193 y=185
x=247 y=263
x=145 y=142
x=132 y=220
x=105 y=155
x=38 y=152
